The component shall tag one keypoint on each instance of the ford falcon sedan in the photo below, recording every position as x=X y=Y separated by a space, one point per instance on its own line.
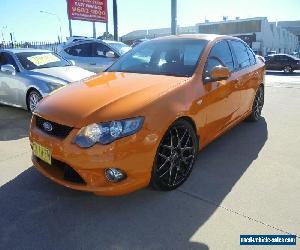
x=143 y=121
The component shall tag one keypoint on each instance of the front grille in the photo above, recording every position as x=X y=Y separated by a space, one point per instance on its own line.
x=69 y=174
x=57 y=130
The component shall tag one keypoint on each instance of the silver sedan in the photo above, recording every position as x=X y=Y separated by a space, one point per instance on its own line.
x=93 y=54
x=28 y=75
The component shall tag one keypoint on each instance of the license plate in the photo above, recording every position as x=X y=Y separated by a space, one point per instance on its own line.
x=42 y=152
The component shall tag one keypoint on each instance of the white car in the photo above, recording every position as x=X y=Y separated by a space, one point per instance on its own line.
x=93 y=54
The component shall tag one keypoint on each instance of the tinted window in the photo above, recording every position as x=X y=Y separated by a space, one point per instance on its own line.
x=177 y=57
x=100 y=50
x=281 y=58
x=210 y=64
x=251 y=56
x=222 y=52
x=241 y=53
x=82 y=50
x=220 y=55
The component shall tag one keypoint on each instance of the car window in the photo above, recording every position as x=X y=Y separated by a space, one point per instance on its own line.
x=81 y=50
x=251 y=56
x=222 y=51
x=241 y=54
x=220 y=55
x=281 y=58
x=100 y=50
x=210 y=64
x=6 y=58
x=38 y=60
x=176 y=57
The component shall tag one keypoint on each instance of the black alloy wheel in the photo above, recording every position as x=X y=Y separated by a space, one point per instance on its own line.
x=175 y=156
x=258 y=104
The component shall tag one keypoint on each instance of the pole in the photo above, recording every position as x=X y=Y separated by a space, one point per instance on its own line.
x=70 y=27
x=173 y=17
x=115 y=15
x=94 y=30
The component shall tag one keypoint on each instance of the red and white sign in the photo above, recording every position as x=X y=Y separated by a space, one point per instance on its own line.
x=88 y=10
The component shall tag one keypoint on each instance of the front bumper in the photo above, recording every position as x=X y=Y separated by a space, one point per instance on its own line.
x=133 y=154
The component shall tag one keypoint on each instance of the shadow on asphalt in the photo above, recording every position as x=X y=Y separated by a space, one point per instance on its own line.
x=14 y=123
x=281 y=73
x=38 y=214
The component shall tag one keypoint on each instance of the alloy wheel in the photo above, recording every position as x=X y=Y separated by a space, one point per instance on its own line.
x=175 y=157
x=33 y=100
x=287 y=69
x=258 y=103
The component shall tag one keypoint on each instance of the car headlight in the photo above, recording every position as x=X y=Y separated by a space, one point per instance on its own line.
x=107 y=132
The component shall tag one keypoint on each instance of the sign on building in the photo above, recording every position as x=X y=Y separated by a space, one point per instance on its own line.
x=88 y=10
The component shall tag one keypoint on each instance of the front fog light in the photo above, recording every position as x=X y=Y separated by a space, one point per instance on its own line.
x=114 y=174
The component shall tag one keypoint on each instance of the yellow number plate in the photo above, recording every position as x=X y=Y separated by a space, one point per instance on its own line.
x=41 y=152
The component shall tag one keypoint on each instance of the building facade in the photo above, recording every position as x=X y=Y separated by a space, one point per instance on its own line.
x=262 y=36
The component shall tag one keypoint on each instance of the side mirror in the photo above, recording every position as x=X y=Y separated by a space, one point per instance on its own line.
x=8 y=69
x=219 y=73
x=110 y=54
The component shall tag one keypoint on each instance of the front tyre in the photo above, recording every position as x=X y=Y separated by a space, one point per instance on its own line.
x=32 y=100
x=258 y=104
x=175 y=156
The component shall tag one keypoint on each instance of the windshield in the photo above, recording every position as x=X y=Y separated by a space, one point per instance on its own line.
x=176 y=57
x=39 y=60
x=120 y=47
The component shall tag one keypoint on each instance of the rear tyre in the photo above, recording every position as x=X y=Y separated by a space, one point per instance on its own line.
x=258 y=104
x=175 y=156
x=32 y=100
x=287 y=69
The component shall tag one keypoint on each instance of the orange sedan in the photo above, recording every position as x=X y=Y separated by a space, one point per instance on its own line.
x=143 y=120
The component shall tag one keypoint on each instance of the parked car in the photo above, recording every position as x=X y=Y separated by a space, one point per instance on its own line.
x=93 y=54
x=144 y=119
x=283 y=62
x=272 y=52
x=27 y=75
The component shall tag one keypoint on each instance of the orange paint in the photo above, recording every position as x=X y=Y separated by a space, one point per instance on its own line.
x=213 y=107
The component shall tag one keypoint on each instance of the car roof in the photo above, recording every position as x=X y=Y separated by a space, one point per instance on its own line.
x=20 y=50
x=208 y=37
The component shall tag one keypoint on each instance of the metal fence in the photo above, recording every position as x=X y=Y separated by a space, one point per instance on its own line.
x=36 y=45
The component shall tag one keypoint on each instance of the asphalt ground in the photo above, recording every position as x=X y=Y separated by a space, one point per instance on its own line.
x=245 y=182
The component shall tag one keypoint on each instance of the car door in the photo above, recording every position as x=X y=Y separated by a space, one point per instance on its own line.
x=223 y=98
x=246 y=72
x=278 y=62
x=9 y=83
x=99 y=54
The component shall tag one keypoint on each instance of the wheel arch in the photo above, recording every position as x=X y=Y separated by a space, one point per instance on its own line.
x=191 y=121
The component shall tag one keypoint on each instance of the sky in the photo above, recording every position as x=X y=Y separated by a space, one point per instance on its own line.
x=27 y=23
